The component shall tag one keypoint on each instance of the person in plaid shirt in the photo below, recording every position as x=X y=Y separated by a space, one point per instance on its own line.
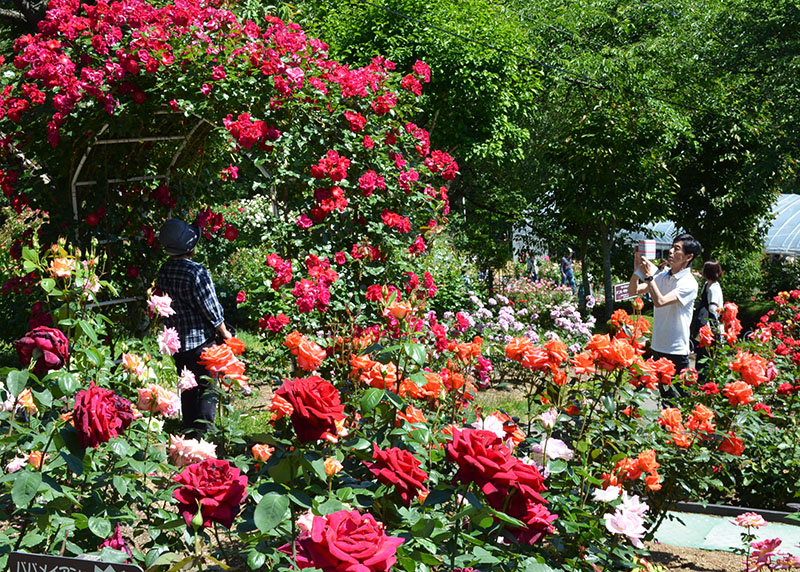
x=198 y=319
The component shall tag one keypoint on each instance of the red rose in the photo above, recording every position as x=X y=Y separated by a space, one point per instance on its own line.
x=47 y=346
x=214 y=485
x=315 y=406
x=732 y=445
x=400 y=468
x=483 y=459
x=100 y=415
x=346 y=541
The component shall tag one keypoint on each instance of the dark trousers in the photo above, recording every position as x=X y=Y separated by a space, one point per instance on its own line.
x=681 y=362
x=199 y=404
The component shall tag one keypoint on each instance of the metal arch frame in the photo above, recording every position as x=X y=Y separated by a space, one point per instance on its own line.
x=792 y=219
x=75 y=183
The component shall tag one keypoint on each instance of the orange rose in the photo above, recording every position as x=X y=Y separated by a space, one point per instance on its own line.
x=309 y=355
x=599 y=342
x=653 y=481
x=559 y=377
x=706 y=336
x=217 y=358
x=280 y=407
x=133 y=364
x=557 y=351
x=637 y=304
x=582 y=363
x=411 y=414
x=381 y=376
x=732 y=445
x=236 y=345
x=25 y=399
x=647 y=461
x=701 y=419
x=36 y=459
x=621 y=318
x=332 y=466
x=671 y=418
x=262 y=452
x=665 y=370
x=738 y=393
x=536 y=358
x=516 y=347
x=681 y=439
x=398 y=309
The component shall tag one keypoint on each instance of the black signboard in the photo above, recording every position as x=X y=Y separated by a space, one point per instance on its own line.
x=24 y=562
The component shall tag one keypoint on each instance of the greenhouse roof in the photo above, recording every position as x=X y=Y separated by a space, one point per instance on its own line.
x=783 y=236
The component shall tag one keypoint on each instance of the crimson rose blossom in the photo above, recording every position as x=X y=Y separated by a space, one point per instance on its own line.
x=400 y=468
x=100 y=415
x=216 y=486
x=483 y=459
x=52 y=344
x=315 y=406
x=346 y=541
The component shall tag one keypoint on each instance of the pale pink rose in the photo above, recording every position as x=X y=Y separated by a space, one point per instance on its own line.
x=16 y=464
x=156 y=399
x=492 y=424
x=305 y=520
x=628 y=519
x=160 y=305
x=168 y=341
x=187 y=380
x=606 y=495
x=184 y=452
x=549 y=418
x=750 y=520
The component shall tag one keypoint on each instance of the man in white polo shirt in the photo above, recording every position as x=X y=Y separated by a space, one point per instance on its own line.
x=673 y=291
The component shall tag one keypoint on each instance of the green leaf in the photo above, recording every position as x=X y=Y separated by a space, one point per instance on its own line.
x=370 y=399
x=100 y=527
x=329 y=506
x=557 y=466
x=47 y=284
x=26 y=485
x=394 y=399
x=256 y=560
x=609 y=403
x=43 y=398
x=120 y=484
x=271 y=511
x=87 y=329
x=16 y=380
x=416 y=352
x=68 y=383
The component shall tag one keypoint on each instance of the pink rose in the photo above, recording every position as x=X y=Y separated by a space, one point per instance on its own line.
x=346 y=541
x=184 y=452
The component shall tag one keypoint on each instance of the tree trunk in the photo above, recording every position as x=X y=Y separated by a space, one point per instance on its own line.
x=584 y=275
x=609 y=287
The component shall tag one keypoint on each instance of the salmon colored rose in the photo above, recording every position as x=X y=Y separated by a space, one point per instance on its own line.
x=62 y=267
x=262 y=452
x=217 y=487
x=309 y=354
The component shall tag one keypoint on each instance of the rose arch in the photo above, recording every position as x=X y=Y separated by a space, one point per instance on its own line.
x=136 y=111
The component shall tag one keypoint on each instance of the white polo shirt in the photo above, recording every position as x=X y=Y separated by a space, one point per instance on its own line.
x=671 y=322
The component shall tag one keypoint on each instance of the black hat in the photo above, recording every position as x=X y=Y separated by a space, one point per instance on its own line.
x=177 y=237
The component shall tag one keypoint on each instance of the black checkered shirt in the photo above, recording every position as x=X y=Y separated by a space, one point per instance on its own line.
x=197 y=309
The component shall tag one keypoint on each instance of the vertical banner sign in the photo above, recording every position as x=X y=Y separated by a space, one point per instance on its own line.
x=621 y=292
x=24 y=562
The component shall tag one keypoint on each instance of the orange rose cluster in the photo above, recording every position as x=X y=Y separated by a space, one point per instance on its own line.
x=632 y=469
x=308 y=353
